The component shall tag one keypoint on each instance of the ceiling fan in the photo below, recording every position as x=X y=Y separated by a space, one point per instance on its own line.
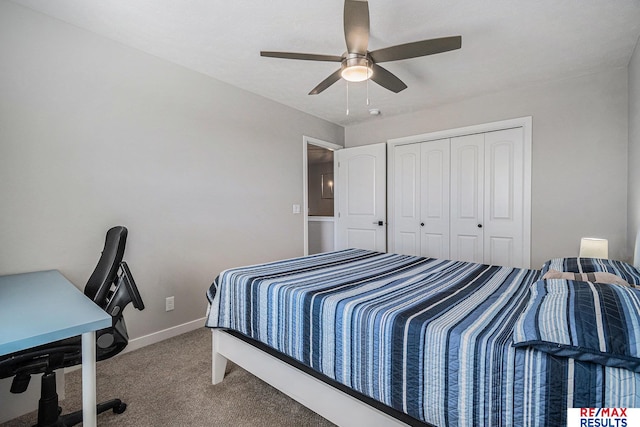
x=359 y=64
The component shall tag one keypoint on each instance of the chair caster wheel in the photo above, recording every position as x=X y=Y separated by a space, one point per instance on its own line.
x=120 y=408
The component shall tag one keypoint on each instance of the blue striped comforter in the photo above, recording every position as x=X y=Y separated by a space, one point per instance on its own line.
x=429 y=337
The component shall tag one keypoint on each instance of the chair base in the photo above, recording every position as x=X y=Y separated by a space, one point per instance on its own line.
x=49 y=413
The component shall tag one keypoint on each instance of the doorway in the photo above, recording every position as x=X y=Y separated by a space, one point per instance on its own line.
x=318 y=195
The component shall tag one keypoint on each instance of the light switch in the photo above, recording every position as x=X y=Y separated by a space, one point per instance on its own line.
x=296 y=209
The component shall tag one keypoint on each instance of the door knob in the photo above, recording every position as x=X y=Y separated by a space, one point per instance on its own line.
x=422 y=224
x=378 y=223
x=479 y=225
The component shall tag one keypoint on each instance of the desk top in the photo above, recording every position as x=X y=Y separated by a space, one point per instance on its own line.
x=42 y=307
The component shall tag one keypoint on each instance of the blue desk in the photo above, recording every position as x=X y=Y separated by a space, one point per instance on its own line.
x=42 y=307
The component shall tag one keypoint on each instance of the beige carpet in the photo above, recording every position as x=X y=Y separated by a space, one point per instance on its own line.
x=169 y=384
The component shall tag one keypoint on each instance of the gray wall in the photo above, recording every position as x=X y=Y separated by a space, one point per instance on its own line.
x=94 y=134
x=579 y=149
x=634 y=148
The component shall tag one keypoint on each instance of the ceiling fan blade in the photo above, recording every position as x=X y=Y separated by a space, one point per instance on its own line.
x=387 y=80
x=303 y=56
x=356 y=26
x=416 y=49
x=327 y=82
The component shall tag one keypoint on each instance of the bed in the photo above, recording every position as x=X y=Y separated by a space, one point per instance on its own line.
x=368 y=338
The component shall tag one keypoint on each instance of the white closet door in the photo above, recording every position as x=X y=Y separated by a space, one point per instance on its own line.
x=406 y=190
x=362 y=197
x=504 y=198
x=434 y=207
x=467 y=198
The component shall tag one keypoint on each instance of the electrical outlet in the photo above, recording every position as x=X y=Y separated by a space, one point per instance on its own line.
x=169 y=303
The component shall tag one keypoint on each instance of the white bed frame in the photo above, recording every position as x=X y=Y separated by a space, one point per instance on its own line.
x=336 y=406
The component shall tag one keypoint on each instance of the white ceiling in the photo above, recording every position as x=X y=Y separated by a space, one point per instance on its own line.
x=505 y=43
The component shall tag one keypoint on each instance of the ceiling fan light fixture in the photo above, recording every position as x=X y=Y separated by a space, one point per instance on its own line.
x=356 y=68
x=357 y=73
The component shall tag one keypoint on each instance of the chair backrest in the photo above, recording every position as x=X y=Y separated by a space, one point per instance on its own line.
x=105 y=272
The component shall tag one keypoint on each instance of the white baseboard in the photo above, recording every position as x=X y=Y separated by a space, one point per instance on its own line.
x=164 y=334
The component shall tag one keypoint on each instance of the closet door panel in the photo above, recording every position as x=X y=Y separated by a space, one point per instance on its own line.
x=467 y=198
x=500 y=251
x=504 y=206
x=434 y=208
x=407 y=199
x=468 y=247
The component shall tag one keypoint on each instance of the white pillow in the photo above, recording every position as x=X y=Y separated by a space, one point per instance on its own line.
x=596 y=277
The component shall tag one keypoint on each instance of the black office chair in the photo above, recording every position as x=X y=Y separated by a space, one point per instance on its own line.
x=112 y=287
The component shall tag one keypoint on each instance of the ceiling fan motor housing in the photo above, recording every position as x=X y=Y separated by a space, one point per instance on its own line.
x=356 y=67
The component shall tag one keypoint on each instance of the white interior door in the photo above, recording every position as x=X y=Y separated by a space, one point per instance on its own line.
x=467 y=198
x=361 y=193
x=504 y=195
x=434 y=211
x=406 y=190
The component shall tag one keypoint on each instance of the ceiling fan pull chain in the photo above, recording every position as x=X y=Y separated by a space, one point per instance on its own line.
x=367 y=93
x=347 y=98
x=368 y=85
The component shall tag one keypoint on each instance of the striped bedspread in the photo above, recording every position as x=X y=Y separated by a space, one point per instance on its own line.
x=429 y=337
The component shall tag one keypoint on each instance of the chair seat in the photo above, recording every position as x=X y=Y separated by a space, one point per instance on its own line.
x=37 y=359
x=64 y=353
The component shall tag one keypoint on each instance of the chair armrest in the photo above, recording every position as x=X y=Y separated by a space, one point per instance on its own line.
x=125 y=292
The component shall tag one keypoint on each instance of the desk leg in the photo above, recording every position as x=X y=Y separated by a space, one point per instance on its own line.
x=89 y=416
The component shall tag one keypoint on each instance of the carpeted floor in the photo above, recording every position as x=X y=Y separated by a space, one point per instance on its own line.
x=169 y=384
